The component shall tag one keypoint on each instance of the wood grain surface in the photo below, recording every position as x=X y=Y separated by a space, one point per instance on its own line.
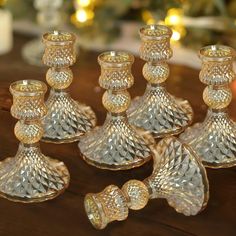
x=65 y=215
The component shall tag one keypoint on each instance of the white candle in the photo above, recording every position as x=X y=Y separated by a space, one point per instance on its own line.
x=5 y=31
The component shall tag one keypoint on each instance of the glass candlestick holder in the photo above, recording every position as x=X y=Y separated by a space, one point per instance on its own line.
x=215 y=139
x=66 y=119
x=116 y=145
x=178 y=176
x=30 y=176
x=48 y=18
x=157 y=111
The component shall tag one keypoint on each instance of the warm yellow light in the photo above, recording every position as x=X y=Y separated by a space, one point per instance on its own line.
x=174 y=16
x=83 y=3
x=148 y=17
x=174 y=19
x=83 y=15
x=175 y=36
x=161 y=22
x=151 y=21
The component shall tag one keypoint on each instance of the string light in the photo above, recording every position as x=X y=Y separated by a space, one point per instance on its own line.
x=84 y=13
x=148 y=17
x=174 y=16
x=175 y=36
x=2 y=2
x=174 y=20
x=83 y=3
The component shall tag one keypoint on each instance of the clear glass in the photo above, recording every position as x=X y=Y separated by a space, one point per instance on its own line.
x=66 y=119
x=215 y=138
x=116 y=145
x=30 y=176
x=48 y=18
x=178 y=176
x=157 y=111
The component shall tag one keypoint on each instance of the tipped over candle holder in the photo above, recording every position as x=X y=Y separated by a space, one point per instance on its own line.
x=178 y=176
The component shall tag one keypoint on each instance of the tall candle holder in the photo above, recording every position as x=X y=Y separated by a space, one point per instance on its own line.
x=178 y=176
x=30 y=176
x=67 y=119
x=215 y=139
x=116 y=145
x=48 y=18
x=157 y=111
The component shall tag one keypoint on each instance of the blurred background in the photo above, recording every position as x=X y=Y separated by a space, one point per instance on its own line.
x=106 y=24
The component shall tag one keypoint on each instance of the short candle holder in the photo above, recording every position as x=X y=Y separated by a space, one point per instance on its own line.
x=157 y=111
x=178 y=176
x=116 y=145
x=67 y=119
x=215 y=139
x=30 y=176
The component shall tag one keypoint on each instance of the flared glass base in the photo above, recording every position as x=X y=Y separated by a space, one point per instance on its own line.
x=159 y=112
x=179 y=176
x=32 y=177
x=214 y=140
x=116 y=145
x=32 y=52
x=67 y=119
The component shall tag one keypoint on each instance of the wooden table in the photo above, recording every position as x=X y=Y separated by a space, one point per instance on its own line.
x=65 y=215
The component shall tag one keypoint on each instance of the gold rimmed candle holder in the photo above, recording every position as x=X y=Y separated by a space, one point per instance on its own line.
x=30 y=176
x=157 y=111
x=67 y=119
x=178 y=176
x=215 y=138
x=116 y=145
x=48 y=17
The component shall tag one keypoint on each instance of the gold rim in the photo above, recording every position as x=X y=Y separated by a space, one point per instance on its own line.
x=28 y=88
x=58 y=38
x=155 y=32
x=115 y=58
x=216 y=53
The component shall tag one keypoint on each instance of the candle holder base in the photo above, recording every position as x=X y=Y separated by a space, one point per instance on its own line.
x=214 y=140
x=67 y=119
x=116 y=145
x=159 y=112
x=32 y=177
